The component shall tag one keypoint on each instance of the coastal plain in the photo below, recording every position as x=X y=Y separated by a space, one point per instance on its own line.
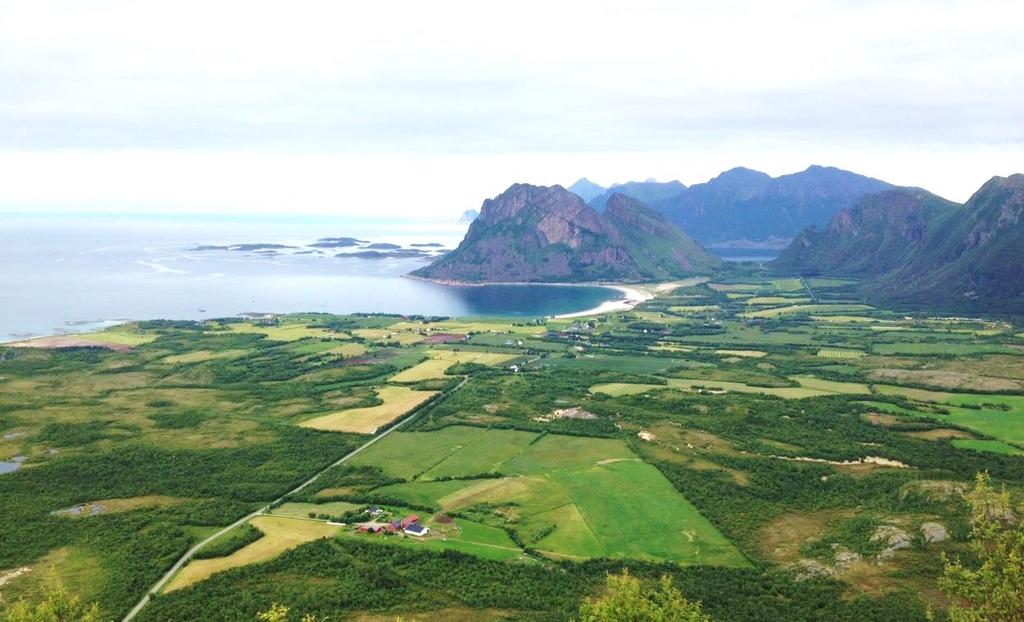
x=746 y=446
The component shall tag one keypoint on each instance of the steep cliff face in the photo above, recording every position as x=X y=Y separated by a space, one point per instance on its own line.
x=881 y=233
x=915 y=249
x=548 y=234
x=973 y=262
x=659 y=247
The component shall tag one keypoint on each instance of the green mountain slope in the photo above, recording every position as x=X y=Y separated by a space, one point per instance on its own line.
x=917 y=250
x=884 y=232
x=661 y=249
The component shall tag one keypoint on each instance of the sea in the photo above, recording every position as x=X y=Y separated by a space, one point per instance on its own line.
x=64 y=274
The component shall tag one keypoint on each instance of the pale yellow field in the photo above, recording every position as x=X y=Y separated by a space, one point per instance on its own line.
x=809 y=387
x=776 y=300
x=122 y=336
x=471 y=356
x=404 y=337
x=280 y=534
x=735 y=287
x=739 y=387
x=440 y=360
x=656 y=316
x=754 y=354
x=787 y=285
x=693 y=308
x=348 y=350
x=427 y=370
x=286 y=332
x=671 y=347
x=831 y=386
x=850 y=319
x=823 y=308
x=617 y=389
x=397 y=402
x=202 y=355
x=463 y=326
x=840 y=353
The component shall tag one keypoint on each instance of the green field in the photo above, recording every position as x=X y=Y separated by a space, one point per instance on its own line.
x=950 y=349
x=453 y=450
x=625 y=364
x=787 y=285
x=303 y=510
x=573 y=497
x=996 y=447
x=652 y=435
x=998 y=416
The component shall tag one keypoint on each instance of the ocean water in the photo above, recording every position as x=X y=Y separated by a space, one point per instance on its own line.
x=63 y=275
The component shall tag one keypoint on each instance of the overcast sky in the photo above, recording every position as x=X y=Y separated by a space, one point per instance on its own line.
x=425 y=108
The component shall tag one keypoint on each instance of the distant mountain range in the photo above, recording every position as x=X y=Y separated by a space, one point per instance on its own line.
x=467 y=217
x=914 y=249
x=648 y=192
x=745 y=205
x=548 y=234
x=586 y=189
x=909 y=248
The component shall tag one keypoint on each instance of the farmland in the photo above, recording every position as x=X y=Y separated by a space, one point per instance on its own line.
x=723 y=433
x=573 y=497
x=279 y=535
x=395 y=402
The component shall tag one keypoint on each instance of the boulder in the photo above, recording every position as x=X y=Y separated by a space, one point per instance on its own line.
x=892 y=538
x=934 y=532
x=807 y=569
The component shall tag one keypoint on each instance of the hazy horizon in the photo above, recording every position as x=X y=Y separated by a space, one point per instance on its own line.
x=416 y=111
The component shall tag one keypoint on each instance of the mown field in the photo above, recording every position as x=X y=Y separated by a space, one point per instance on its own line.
x=572 y=497
x=730 y=434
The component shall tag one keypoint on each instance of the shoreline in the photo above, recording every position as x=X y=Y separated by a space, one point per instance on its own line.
x=631 y=295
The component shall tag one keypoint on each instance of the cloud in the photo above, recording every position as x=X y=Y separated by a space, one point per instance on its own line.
x=384 y=92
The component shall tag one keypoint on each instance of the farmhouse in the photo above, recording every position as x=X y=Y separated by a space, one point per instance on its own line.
x=416 y=529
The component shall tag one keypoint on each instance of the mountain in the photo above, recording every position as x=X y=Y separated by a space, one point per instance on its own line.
x=648 y=192
x=743 y=204
x=883 y=232
x=586 y=189
x=467 y=217
x=660 y=249
x=548 y=234
x=916 y=250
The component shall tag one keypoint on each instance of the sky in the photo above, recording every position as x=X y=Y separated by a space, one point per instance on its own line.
x=423 y=109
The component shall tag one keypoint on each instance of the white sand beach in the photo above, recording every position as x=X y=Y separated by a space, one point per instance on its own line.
x=633 y=297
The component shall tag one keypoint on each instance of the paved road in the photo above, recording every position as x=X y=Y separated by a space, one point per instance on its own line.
x=159 y=585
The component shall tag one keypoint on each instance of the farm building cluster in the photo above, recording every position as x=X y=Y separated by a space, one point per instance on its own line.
x=410 y=525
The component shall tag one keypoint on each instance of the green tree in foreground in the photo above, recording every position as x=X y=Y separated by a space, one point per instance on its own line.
x=58 y=605
x=279 y=613
x=627 y=601
x=994 y=590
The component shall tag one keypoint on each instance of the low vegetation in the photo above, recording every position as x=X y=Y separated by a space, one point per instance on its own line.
x=814 y=461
